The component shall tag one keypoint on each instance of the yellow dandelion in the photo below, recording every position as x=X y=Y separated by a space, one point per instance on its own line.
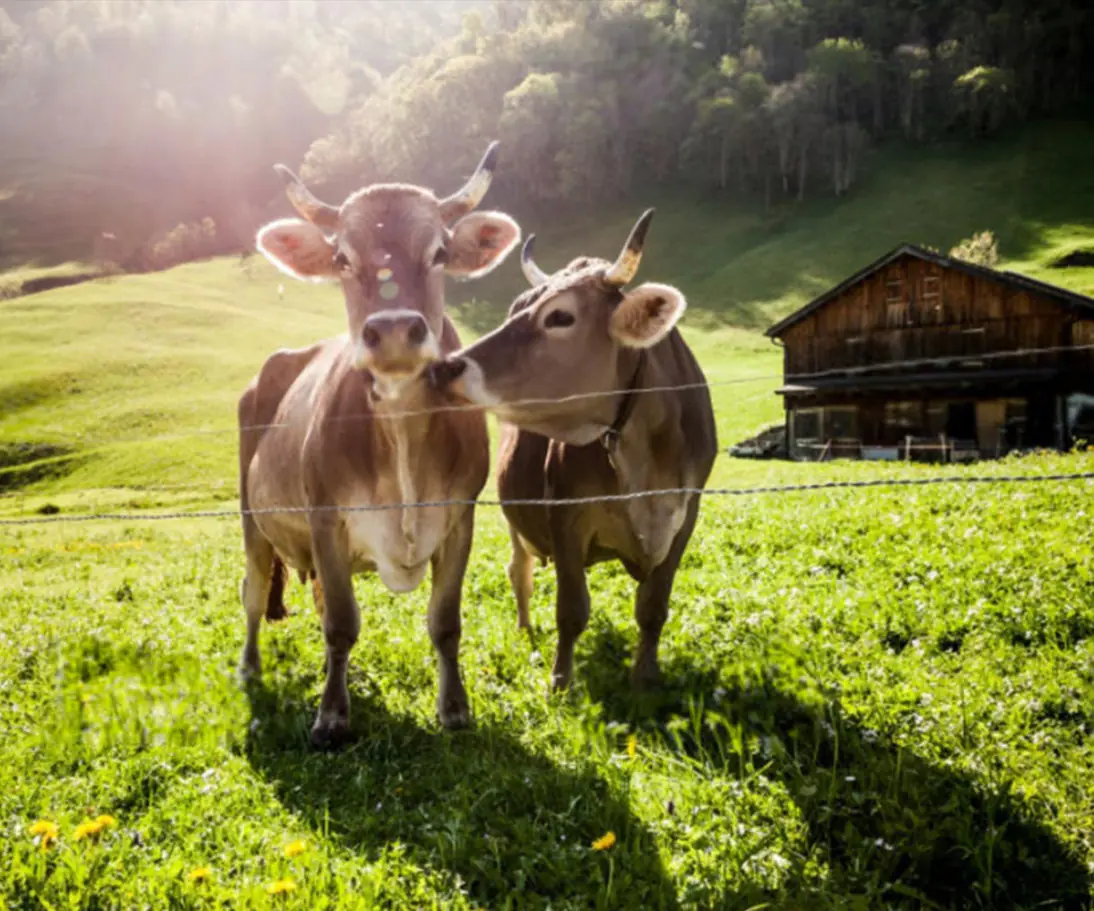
x=87 y=829
x=105 y=821
x=605 y=842
x=295 y=848
x=281 y=886
x=632 y=746
x=199 y=874
x=47 y=831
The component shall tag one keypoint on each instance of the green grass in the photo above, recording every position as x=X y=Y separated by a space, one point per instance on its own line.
x=873 y=699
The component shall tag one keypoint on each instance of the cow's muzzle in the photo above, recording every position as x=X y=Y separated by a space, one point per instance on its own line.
x=396 y=342
x=442 y=374
x=461 y=378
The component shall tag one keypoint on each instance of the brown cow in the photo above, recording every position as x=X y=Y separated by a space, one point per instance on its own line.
x=354 y=425
x=577 y=375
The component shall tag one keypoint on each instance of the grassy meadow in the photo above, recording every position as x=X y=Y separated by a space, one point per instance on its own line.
x=873 y=699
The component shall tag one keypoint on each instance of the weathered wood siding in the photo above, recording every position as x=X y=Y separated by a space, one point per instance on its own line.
x=1082 y=336
x=916 y=310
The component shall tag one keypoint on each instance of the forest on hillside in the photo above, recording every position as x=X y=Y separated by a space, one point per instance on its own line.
x=144 y=131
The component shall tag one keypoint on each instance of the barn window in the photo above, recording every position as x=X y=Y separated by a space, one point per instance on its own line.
x=841 y=423
x=932 y=287
x=896 y=315
x=902 y=418
x=807 y=424
x=894 y=291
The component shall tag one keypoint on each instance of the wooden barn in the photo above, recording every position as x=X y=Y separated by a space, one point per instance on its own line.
x=927 y=357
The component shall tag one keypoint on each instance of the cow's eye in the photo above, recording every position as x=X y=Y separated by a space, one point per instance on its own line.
x=558 y=319
x=440 y=258
x=341 y=261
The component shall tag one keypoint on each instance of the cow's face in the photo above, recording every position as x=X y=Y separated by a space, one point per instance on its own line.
x=390 y=246
x=568 y=346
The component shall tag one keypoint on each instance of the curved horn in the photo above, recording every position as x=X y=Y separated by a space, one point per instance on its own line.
x=535 y=275
x=471 y=193
x=624 y=268
x=303 y=200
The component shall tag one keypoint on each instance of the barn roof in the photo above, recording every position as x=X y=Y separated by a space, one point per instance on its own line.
x=1013 y=279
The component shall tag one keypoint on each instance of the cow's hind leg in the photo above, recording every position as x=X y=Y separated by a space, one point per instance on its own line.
x=341 y=626
x=520 y=569
x=651 y=606
x=449 y=566
x=571 y=604
x=255 y=592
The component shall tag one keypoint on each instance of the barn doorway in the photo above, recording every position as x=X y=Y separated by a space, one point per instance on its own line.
x=961 y=421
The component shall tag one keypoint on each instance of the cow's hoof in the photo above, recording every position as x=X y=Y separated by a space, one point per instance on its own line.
x=249 y=670
x=454 y=716
x=645 y=675
x=330 y=732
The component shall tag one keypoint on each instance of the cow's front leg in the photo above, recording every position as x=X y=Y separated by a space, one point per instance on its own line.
x=572 y=596
x=651 y=606
x=341 y=626
x=449 y=564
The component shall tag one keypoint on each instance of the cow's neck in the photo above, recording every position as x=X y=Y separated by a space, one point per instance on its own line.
x=647 y=453
x=403 y=417
x=641 y=418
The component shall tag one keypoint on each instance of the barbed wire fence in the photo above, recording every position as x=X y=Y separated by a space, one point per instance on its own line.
x=555 y=501
x=383 y=414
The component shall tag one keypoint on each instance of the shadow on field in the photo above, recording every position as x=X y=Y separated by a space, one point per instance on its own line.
x=513 y=828
x=893 y=827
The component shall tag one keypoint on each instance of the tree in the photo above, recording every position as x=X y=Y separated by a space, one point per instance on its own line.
x=985 y=98
x=529 y=128
x=980 y=249
x=913 y=69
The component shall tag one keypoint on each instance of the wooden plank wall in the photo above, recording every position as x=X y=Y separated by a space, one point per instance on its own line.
x=914 y=309
x=1082 y=333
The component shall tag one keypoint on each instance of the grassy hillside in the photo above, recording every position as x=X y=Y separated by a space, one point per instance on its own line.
x=106 y=385
x=1034 y=189
x=873 y=698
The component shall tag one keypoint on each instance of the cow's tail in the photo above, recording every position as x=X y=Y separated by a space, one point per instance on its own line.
x=275 y=603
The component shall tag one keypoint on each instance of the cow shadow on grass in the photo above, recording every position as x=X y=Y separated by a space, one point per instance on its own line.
x=895 y=829
x=513 y=828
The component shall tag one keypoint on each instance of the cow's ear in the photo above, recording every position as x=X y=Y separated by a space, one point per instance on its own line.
x=298 y=248
x=646 y=315
x=479 y=242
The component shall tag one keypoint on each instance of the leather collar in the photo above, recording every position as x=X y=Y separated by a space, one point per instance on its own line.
x=610 y=438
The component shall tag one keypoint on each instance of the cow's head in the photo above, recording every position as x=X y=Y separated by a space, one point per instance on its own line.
x=390 y=246
x=569 y=345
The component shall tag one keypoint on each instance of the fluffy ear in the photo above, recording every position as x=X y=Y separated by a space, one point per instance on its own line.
x=646 y=315
x=298 y=248
x=480 y=241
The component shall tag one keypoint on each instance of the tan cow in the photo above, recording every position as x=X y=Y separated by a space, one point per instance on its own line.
x=577 y=375
x=354 y=424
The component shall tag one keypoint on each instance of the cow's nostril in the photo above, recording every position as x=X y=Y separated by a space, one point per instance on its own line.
x=417 y=332
x=372 y=337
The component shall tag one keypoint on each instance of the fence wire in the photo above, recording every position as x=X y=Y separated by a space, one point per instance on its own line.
x=790 y=378
x=553 y=502
x=728 y=492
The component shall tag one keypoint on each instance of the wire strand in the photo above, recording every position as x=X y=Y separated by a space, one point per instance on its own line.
x=546 y=501
x=584 y=396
